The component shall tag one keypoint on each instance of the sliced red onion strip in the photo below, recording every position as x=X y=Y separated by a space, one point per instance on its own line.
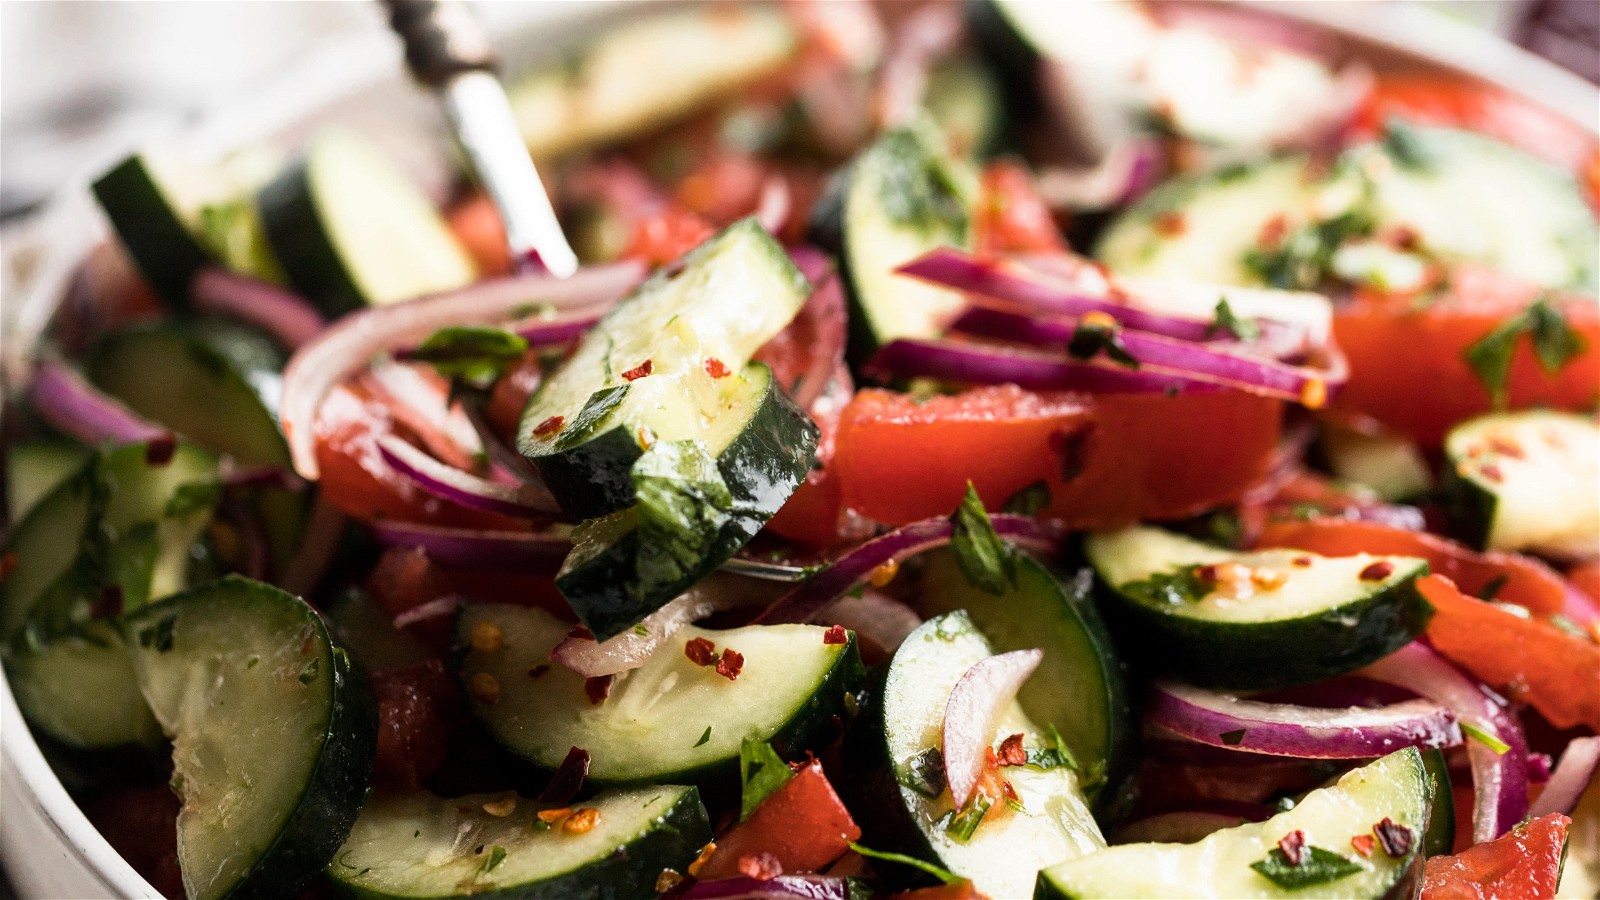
x=1304 y=732
x=533 y=552
x=419 y=399
x=1499 y=780
x=1570 y=778
x=556 y=330
x=1122 y=176
x=781 y=887
x=973 y=712
x=66 y=400
x=819 y=328
x=347 y=346
x=774 y=204
x=975 y=363
x=463 y=488
x=437 y=608
x=856 y=566
x=630 y=649
x=287 y=316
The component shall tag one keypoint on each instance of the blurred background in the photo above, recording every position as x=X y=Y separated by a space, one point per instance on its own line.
x=80 y=81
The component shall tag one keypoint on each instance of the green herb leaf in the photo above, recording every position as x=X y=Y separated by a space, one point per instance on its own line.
x=1233 y=738
x=1029 y=500
x=705 y=737
x=962 y=825
x=989 y=563
x=1301 y=260
x=762 y=771
x=944 y=875
x=1320 y=867
x=1181 y=585
x=1057 y=756
x=1486 y=738
x=681 y=505
x=192 y=496
x=1223 y=321
x=497 y=855
x=1493 y=588
x=1405 y=145
x=1090 y=340
x=588 y=420
x=474 y=354
x=1555 y=343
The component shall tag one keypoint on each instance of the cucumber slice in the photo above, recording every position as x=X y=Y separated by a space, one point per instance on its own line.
x=1079 y=686
x=421 y=846
x=175 y=216
x=901 y=198
x=1271 y=618
x=902 y=722
x=644 y=374
x=1396 y=787
x=80 y=690
x=272 y=733
x=45 y=545
x=350 y=229
x=695 y=513
x=670 y=719
x=34 y=469
x=1440 y=839
x=1391 y=466
x=1527 y=481
x=963 y=99
x=647 y=72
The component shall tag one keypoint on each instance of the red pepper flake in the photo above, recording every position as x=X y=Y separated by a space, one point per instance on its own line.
x=1301 y=561
x=8 y=561
x=1493 y=473
x=731 y=664
x=1272 y=232
x=1396 y=839
x=1404 y=237
x=1506 y=448
x=549 y=426
x=160 y=450
x=1363 y=844
x=1293 y=846
x=760 y=866
x=1011 y=752
x=108 y=604
x=568 y=778
x=639 y=371
x=582 y=821
x=716 y=368
x=1170 y=224
x=700 y=651
x=836 y=635
x=598 y=689
x=1010 y=792
x=538 y=670
x=882 y=575
x=1378 y=571
x=700 y=861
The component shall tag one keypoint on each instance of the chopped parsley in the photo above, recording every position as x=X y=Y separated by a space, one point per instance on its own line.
x=497 y=855
x=1233 y=738
x=1028 y=501
x=1555 y=343
x=1223 y=321
x=1493 y=588
x=1405 y=145
x=963 y=824
x=587 y=421
x=944 y=875
x=1302 y=258
x=1057 y=756
x=475 y=354
x=989 y=563
x=762 y=771
x=1175 y=588
x=1318 y=866
x=705 y=737
x=1486 y=738
x=1091 y=339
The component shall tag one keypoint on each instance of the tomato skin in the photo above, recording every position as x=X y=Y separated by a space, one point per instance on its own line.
x=1522 y=865
x=1011 y=217
x=1406 y=365
x=803 y=824
x=1533 y=661
x=418 y=707
x=1527 y=581
x=142 y=824
x=960 y=890
x=661 y=236
x=476 y=224
x=1586 y=577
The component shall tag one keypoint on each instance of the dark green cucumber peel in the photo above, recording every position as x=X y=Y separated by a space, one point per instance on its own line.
x=295 y=230
x=614 y=577
x=318 y=819
x=159 y=242
x=1440 y=838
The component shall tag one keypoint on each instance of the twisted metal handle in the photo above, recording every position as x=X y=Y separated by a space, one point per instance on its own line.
x=442 y=38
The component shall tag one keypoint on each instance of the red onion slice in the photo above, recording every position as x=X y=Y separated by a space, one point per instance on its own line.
x=1499 y=780
x=857 y=565
x=974 y=363
x=419 y=399
x=501 y=551
x=1304 y=732
x=66 y=400
x=1122 y=176
x=807 y=353
x=348 y=345
x=630 y=649
x=464 y=488
x=557 y=329
x=973 y=712
x=774 y=204
x=781 y=887
x=1571 y=777
x=287 y=316
x=438 y=608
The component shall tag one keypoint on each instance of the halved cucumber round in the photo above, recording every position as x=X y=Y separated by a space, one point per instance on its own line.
x=1079 y=686
x=1526 y=481
x=80 y=690
x=35 y=468
x=350 y=229
x=273 y=734
x=671 y=719
x=898 y=792
x=422 y=846
x=1245 y=621
x=1396 y=788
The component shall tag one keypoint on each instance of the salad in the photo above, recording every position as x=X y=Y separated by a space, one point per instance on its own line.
x=990 y=450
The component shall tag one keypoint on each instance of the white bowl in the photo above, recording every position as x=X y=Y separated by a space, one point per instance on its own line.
x=47 y=846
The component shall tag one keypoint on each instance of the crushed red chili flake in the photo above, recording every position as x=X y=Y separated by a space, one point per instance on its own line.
x=700 y=861
x=1301 y=561
x=160 y=450
x=1493 y=473
x=568 y=778
x=1396 y=839
x=639 y=371
x=8 y=561
x=1010 y=792
x=716 y=368
x=538 y=670
x=1170 y=224
x=835 y=635
x=582 y=821
x=1363 y=844
x=1011 y=752
x=885 y=573
x=598 y=689
x=1293 y=846
x=1505 y=448
x=700 y=651
x=731 y=664
x=1404 y=237
x=1378 y=571
x=549 y=426
x=760 y=866
x=1272 y=232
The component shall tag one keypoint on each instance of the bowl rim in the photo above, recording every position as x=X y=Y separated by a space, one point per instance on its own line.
x=58 y=231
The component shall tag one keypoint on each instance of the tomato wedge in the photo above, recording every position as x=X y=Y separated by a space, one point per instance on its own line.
x=1010 y=216
x=1405 y=353
x=1586 y=578
x=1108 y=460
x=803 y=824
x=957 y=890
x=476 y=224
x=1522 y=579
x=1525 y=864
x=1531 y=660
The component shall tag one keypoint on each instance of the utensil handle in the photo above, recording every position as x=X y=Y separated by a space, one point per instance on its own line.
x=442 y=38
